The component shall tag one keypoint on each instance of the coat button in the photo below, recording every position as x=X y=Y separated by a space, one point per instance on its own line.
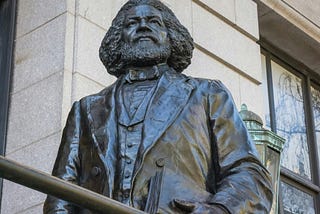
x=127 y=174
x=126 y=195
x=160 y=162
x=95 y=171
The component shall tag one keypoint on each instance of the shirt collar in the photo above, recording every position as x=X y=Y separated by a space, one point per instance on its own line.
x=138 y=74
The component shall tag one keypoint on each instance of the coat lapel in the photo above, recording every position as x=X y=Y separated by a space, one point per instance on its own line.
x=103 y=123
x=168 y=101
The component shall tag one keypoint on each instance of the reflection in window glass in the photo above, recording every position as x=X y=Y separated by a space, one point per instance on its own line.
x=290 y=120
x=315 y=94
x=266 y=119
x=295 y=201
x=272 y=165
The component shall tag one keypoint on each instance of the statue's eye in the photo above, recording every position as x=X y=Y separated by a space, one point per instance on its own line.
x=155 y=21
x=131 y=23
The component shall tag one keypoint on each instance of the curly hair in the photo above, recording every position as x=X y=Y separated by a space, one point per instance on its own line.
x=181 y=42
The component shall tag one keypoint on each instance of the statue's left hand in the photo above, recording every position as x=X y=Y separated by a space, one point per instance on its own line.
x=198 y=208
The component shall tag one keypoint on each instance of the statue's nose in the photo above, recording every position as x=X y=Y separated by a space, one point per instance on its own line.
x=143 y=26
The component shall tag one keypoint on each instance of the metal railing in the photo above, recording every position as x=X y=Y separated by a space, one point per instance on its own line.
x=48 y=184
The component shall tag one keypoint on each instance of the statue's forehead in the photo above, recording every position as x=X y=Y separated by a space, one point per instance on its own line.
x=143 y=11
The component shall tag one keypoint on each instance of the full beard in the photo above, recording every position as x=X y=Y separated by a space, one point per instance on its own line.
x=144 y=54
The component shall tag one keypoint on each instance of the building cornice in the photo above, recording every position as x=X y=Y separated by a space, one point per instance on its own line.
x=293 y=16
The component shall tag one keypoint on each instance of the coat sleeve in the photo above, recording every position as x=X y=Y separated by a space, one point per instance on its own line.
x=67 y=163
x=243 y=185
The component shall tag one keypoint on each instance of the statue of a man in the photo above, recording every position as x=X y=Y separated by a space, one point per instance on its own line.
x=156 y=139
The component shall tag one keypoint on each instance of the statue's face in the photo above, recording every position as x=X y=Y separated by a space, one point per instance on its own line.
x=144 y=25
x=145 y=37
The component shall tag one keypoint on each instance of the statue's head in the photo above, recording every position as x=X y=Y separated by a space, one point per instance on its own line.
x=145 y=33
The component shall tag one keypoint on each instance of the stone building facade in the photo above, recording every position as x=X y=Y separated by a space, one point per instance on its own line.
x=244 y=43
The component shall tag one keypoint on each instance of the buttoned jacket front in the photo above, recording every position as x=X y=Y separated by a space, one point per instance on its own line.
x=194 y=147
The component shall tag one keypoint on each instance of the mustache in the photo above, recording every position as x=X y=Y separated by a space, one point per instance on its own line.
x=145 y=35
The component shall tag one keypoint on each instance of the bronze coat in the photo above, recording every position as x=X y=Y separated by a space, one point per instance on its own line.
x=195 y=147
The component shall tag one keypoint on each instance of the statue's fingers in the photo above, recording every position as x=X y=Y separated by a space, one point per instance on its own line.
x=187 y=206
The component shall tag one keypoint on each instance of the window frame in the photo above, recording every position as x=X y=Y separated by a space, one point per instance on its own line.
x=7 y=34
x=308 y=78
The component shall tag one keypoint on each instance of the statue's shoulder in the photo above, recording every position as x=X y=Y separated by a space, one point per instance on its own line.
x=106 y=93
x=207 y=84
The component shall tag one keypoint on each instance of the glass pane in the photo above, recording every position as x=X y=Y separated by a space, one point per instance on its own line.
x=315 y=94
x=295 y=201
x=266 y=119
x=290 y=120
x=272 y=164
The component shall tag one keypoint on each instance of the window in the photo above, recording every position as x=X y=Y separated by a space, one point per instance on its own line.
x=7 y=20
x=7 y=16
x=293 y=94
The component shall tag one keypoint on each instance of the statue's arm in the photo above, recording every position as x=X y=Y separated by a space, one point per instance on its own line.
x=67 y=163
x=243 y=185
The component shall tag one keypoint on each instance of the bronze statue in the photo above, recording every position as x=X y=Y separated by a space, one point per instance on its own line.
x=156 y=139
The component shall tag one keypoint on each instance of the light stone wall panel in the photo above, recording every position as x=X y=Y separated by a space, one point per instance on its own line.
x=69 y=41
x=36 y=97
x=34 y=13
x=37 y=209
x=247 y=17
x=252 y=95
x=116 y=5
x=102 y=12
x=205 y=66
x=226 y=43
x=39 y=54
x=71 y=6
x=38 y=155
x=87 y=62
x=16 y=198
x=83 y=86
x=99 y=12
x=183 y=11
x=35 y=113
x=226 y=8
x=69 y=53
